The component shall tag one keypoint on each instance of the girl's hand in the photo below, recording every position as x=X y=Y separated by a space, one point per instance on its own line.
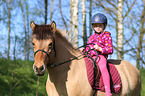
x=82 y=49
x=98 y=48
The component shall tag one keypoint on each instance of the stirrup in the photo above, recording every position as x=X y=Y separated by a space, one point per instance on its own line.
x=108 y=94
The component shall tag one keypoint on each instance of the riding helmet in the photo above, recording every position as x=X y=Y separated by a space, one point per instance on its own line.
x=99 y=18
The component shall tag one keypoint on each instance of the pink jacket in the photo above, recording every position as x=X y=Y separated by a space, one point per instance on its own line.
x=103 y=40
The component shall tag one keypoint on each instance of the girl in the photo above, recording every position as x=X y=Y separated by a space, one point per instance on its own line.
x=102 y=42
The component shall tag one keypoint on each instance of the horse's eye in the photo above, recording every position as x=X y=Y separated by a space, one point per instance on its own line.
x=33 y=44
x=50 y=45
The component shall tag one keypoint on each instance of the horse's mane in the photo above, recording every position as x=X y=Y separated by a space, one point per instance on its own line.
x=45 y=31
x=42 y=32
x=60 y=34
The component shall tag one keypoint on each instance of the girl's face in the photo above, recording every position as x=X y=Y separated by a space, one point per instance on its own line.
x=98 y=27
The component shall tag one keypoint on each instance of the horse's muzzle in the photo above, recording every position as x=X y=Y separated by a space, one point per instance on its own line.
x=39 y=71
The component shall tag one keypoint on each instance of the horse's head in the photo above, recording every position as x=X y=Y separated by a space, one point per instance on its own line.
x=44 y=46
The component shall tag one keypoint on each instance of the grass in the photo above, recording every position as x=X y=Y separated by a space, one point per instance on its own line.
x=142 y=72
x=24 y=80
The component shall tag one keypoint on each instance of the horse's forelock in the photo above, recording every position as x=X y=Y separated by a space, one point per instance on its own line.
x=42 y=32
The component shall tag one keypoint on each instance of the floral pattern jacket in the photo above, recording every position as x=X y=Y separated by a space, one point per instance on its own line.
x=103 y=40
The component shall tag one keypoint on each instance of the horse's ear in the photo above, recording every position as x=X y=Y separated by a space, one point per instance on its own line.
x=53 y=25
x=32 y=24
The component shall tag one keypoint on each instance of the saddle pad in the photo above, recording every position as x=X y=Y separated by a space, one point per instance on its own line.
x=115 y=80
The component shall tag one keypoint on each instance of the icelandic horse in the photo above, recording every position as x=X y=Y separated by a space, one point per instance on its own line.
x=52 y=49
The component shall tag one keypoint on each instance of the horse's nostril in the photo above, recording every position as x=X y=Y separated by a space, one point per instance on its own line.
x=35 y=68
x=39 y=71
x=41 y=68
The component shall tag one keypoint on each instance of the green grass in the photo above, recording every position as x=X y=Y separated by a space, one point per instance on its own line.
x=23 y=74
x=142 y=72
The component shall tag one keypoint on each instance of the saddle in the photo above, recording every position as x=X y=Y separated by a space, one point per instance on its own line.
x=95 y=78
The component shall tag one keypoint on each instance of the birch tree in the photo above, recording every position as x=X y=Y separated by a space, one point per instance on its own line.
x=70 y=24
x=74 y=16
x=90 y=16
x=115 y=11
x=84 y=32
x=120 y=35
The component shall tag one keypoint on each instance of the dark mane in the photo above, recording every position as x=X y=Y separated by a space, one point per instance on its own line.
x=42 y=32
x=45 y=32
x=59 y=34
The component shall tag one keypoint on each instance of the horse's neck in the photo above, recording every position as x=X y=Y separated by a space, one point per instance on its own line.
x=71 y=75
x=65 y=53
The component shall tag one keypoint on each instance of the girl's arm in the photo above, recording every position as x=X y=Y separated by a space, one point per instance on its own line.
x=108 y=47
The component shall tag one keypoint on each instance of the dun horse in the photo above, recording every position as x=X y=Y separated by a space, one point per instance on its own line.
x=66 y=67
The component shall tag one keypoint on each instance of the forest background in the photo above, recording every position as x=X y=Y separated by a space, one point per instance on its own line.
x=126 y=22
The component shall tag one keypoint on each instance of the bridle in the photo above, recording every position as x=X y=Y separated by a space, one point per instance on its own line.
x=49 y=51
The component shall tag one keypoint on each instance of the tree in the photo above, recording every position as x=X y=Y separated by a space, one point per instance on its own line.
x=74 y=18
x=116 y=13
x=46 y=4
x=84 y=32
x=28 y=31
x=141 y=35
x=90 y=16
x=24 y=23
x=51 y=11
x=9 y=28
x=64 y=22
x=70 y=24
x=120 y=35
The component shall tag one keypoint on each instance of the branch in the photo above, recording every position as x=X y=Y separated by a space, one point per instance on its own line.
x=126 y=51
x=16 y=84
x=112 y=4
x=62 y=16
x=129 y=8
x=109 y=10
x=126 y=41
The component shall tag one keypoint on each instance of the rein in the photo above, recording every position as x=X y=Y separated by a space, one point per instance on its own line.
x=55 y=65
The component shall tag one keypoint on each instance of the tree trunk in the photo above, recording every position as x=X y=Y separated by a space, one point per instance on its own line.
x=9 y=28
x=37 y=90
x=64 y=22
x=90 y=16
x=28 y=32
x=120 y=35
x=74 y=10
x=24 y=21
x=140 y=42
x=14 y=52
x=84 y=33
x=45 y=1
x=51 y=11
x=70 y=24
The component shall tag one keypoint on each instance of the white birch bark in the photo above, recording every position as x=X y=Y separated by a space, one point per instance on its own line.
x=74 y=11
x=120 y=35
x=84 y=33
